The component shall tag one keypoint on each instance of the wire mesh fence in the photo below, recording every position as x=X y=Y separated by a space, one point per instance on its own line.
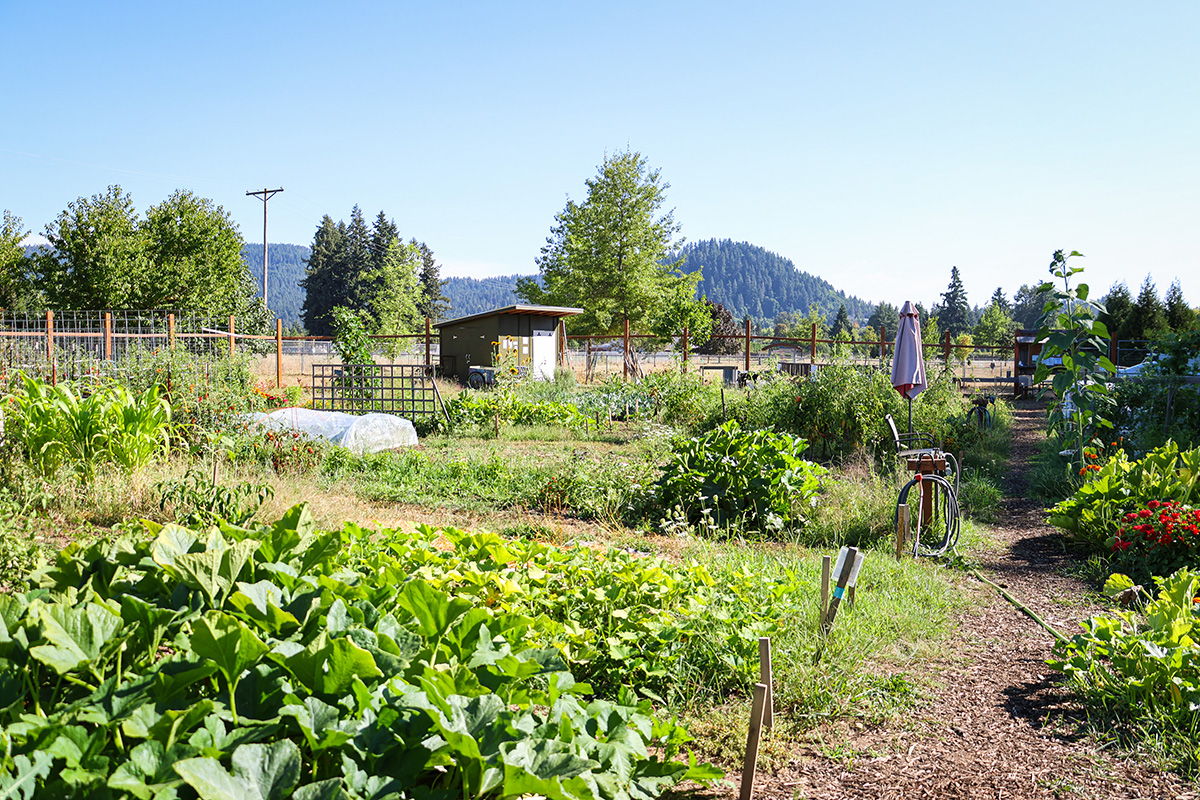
x=401 y=389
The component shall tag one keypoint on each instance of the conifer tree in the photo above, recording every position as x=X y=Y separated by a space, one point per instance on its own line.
x=326 y=279
x=954 y=312
x=841 y=323
x=1180 y=316
x=1149 y=315
x=999 y=300
x=432 y=303
x=1118 y=315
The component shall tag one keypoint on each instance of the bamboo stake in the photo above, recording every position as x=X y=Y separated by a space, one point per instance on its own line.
x=1019 y=606
x=753 y=735
x=766 y=678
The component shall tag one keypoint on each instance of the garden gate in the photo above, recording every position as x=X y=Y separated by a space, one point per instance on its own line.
x=402 y=389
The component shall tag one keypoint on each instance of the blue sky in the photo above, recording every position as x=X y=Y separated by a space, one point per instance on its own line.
x=874 y=144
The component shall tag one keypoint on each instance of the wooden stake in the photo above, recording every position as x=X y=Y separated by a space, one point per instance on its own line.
x=231 y=335
x=108 y=353
x=903 y=526
x=767 y=679
x=753 y=735
x=170 y=331
x=826 y=566
x=850 y=590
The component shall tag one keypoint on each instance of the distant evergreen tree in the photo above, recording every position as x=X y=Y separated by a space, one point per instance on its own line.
x=286 y=263
x=358 y=259
x=886 y=316
x=1118 y=317
x=1180 y=316
x=999 y=300
x=1028 y=303
x=954 y=312
x=433 y=302
x=841 y=323
x=326 y=282
x=1150 y=317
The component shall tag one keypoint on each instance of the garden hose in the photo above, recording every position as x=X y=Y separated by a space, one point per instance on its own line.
x=944 y=494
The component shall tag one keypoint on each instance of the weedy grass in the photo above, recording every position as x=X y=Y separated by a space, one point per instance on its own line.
x=870 y=663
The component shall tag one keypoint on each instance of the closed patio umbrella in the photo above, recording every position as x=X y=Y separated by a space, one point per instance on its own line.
x=908 y=365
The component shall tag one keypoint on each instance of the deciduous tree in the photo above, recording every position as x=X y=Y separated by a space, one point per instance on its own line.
x=16 y=289
x=607 y=254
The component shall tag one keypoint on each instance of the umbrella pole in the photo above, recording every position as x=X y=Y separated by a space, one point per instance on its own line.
x=910 y=416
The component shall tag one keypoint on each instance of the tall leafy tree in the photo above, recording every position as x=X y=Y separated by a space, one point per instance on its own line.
x=608 y=254
x=193 y=252
x=995 y=328
x=954 y=312
x=96 y=253
x=1180 y=316
x=327 y=280
x=1150 y=316
x=433 y=302
x=392 y=305
x=185 y=254
x=16 y=288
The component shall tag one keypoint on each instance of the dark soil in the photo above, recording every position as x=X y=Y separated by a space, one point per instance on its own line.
x=997 y=723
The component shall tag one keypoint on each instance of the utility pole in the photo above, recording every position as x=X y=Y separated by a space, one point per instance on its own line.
x=267 y=194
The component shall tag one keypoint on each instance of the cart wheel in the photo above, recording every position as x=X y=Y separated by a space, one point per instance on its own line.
x=476 y=380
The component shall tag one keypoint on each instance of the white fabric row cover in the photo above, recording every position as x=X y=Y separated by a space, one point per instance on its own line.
x=366 y=433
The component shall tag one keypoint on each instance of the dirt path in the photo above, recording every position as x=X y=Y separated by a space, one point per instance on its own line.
x=997 y=725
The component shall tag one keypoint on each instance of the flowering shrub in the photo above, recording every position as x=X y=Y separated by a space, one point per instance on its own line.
x=1117 y=486
x=1158 y=539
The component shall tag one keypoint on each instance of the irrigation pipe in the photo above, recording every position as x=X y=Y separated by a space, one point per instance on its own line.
x=1024 y=609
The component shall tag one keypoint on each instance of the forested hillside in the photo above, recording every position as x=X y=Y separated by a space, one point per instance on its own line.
x=285 y=270
x=752 y=281
x=475 y=295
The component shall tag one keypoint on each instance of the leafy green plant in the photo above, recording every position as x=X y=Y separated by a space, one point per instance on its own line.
x=283 y=661
x=199 y=502
x=1142 y=669
x=1118 y=486
x=1074 y=357
x=753 y=479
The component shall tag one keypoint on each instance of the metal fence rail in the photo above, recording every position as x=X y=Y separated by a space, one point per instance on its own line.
x=402 y=389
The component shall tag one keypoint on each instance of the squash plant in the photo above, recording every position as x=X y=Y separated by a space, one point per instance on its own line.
x=283 y=661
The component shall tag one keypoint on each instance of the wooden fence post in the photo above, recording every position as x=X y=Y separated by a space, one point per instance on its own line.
x=231 y=335
x=170 y=331
x=685 y=348
x=561 y=351
x=882 y=345
x=278 y=353
x=946 y=348
x=812 y=348
x=626 y=348
x=108 y=353
x=428 y=342
x=50 y=347
x=747 y=344
x=903 y=523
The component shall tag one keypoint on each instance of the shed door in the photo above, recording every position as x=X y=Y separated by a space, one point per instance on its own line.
x=543 y=355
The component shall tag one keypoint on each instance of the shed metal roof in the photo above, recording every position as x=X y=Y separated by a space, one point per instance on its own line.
x=535 y=311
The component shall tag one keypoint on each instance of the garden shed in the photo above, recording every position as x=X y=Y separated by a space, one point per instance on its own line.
x=532 y=333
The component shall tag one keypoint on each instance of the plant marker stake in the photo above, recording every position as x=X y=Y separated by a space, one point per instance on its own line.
x=854 y=584
x=767 y=679
x=903 y=528
x=826 y=565
x=847 y=559
x=752 y=737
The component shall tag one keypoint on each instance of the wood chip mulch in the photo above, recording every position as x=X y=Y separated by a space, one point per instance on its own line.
x=998 y=724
